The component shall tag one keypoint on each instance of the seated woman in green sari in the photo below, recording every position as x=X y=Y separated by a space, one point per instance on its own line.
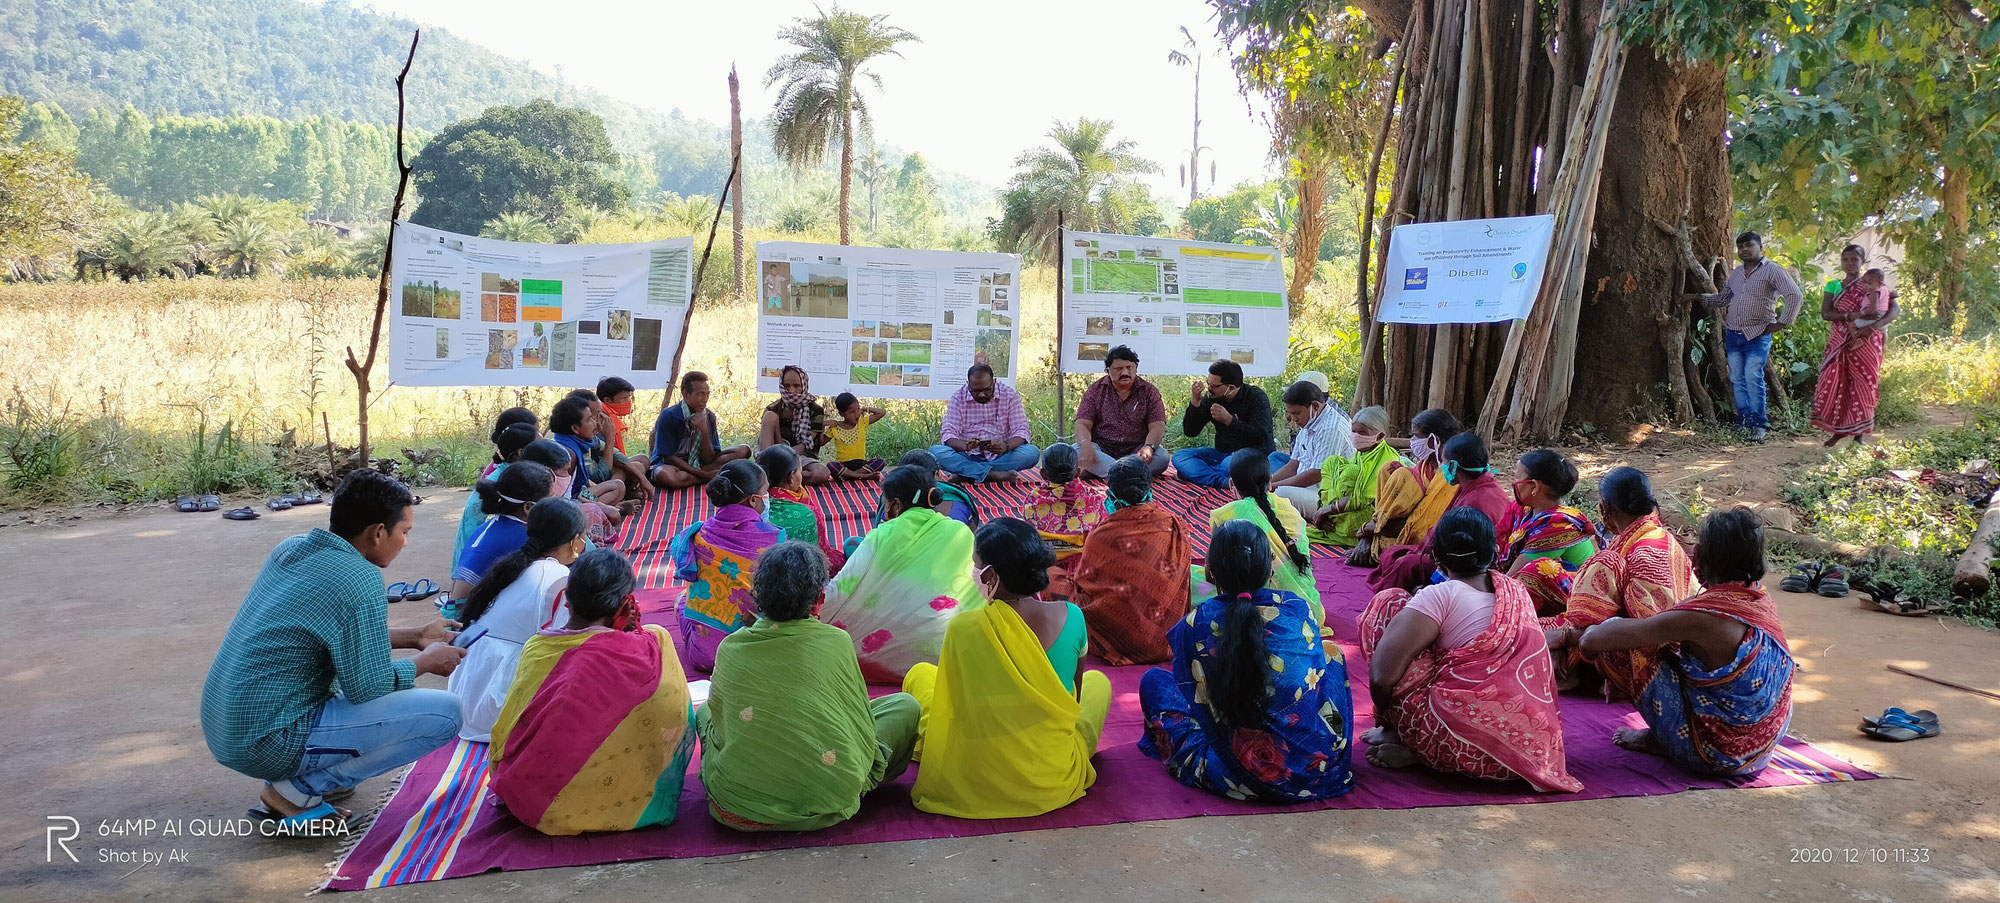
x=1346 y=498
x=789 y=739
x=1291 y=562
x=905 y=581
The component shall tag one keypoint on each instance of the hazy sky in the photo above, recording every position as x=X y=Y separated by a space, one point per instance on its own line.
x=985 y=84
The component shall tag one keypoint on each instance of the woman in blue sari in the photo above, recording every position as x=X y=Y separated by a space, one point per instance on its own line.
x=1257 y=706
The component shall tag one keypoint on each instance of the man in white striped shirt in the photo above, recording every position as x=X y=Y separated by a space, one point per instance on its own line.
x=1320 y=430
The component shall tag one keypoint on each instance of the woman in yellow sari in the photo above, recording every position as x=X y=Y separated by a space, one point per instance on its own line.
x=1010 y=718
x=1409 y=500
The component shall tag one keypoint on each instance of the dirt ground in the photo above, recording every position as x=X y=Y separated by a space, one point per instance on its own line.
x=118 y=614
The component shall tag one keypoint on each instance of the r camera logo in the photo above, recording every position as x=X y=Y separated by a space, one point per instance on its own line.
x=1417 y=277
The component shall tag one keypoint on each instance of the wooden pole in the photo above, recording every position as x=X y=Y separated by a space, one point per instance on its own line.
x=362 y=368
x=687 y=316
x=1062 y=280
x=734 y=190
x=1973 y=575
x=1366 y=311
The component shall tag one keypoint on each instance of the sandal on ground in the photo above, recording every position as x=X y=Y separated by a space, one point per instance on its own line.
x=242 y=514
x=307 y=498
x=1832 y=582
x=1803 y=579
x=1900 y=728
x=280 y=504
x=1886 y=597
x=293 y=824
x=397 y=592
x=187 y=504
x=421 y=590
x=210 y=503
x=1921 y=716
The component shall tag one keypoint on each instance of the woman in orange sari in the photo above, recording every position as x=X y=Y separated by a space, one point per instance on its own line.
x=1131 y=578
x=1410 y=499
x=1459 y=672
x=1641 y=572
x=1859 y=308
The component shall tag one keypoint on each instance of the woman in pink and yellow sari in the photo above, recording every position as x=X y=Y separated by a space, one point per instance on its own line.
x=1460 y=672
x=717 y=559
x=595 y=735
x=1859 y=309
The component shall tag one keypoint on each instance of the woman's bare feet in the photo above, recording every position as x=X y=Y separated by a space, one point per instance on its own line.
x=1380 y=734
x=1636 y=739
x=1391 y=755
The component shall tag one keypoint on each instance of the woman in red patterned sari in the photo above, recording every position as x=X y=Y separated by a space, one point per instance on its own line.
x=1859 y=308
x=1641 y=572
x=1460 y=672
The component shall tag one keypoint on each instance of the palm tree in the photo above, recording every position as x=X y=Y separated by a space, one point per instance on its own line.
x=249 y=246
x=687 y=215
x=523 y=227
x=579 y=220
x=1086 y=177
x=142 y=246
x=819 y=101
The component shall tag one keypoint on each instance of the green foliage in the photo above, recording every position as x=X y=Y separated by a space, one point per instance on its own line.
x=1847 y=114
x=47 y=209
x=1088 y=178
x=1317 y=65
x=522 y=227
x=536 y=158
x=1856 y=497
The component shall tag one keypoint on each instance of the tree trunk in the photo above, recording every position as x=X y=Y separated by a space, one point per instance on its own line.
x=1311 y=227
x=846 y=167
x=1668 y=129
x=1951 y=276
x=735 y=189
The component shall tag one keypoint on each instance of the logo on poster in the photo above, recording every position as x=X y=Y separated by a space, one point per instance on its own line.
x=1520 y=271
x=1416 y=277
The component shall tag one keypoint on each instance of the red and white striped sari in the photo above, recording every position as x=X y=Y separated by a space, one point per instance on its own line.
x=1851 y=372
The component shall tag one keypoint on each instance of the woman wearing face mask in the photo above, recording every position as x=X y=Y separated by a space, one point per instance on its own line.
x=717 y=558
x=907 y=579
x=1010 y=719
x=1642 y=571
x=1129 y=578
x=521 y=595
x=1409 y=499
x=505 y=500
x=1467 y=468
x=1344 y=502
x=1551 y=541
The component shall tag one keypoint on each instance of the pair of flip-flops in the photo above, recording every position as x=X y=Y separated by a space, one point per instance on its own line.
x=1829 y=580
x=1896 y=725
x=1885 y=597
x=293 y=501
x=189 y=504
x=413 y=592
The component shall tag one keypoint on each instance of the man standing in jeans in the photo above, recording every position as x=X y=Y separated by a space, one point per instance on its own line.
x=1750 y=317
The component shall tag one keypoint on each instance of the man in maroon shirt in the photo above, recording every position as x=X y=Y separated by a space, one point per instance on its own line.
x=1121 y=415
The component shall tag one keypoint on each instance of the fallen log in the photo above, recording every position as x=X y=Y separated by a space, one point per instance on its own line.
x=1974 y=574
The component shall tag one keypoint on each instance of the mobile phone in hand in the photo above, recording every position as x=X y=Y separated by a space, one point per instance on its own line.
x=469 y=635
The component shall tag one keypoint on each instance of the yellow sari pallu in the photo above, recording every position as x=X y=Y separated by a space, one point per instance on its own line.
x=1001 y=738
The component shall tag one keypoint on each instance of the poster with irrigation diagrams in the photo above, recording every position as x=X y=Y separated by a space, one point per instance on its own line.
x=885 y=322
x=469 y=311
x=1182 y=305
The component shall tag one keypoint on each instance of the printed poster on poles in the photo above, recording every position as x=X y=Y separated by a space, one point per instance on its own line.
x=470 y=311
x=1181 y=305
x=1468 y=271
x=885 y=322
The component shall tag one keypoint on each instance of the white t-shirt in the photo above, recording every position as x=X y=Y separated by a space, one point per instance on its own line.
x=1326 y=436
x=1462 y=613
x=527 y=605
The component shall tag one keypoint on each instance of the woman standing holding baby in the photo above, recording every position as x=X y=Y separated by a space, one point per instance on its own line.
x=1859 y=307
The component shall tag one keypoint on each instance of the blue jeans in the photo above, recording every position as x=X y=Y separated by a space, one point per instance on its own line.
x=1204 y=465
x=1746 y=376
x=352 y=742
x=976 y=468
x=1101 y=468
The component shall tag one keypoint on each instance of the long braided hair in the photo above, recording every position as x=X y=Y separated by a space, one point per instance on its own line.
x=1250 y=473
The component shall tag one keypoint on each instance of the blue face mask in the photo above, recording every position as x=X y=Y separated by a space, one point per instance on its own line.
x=1113 y=503
x=1451 y=471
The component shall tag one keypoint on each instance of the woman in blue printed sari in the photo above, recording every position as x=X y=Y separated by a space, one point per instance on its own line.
x=1257 y=706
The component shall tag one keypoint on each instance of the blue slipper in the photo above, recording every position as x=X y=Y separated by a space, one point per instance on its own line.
x=398 y=591
x=421 y=590
x=1902 y=726
x=294 y=824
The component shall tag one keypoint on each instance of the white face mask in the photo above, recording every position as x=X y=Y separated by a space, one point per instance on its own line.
x=1420 y=447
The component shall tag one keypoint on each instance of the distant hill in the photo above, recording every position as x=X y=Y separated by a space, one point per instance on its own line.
x=272 y=57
